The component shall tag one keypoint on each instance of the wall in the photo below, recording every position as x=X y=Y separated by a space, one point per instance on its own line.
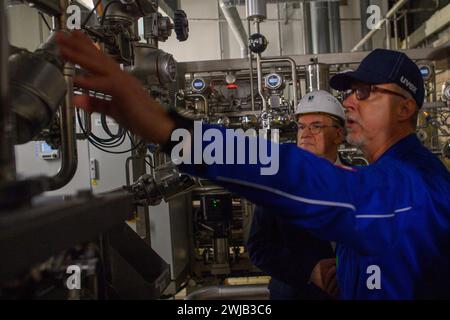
x=207 y=43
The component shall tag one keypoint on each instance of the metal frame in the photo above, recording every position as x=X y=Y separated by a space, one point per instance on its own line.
x=32 y=234
x=328 y=58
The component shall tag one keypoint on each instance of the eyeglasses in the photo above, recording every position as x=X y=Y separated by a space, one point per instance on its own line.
x=314 y=127
x=363 y=92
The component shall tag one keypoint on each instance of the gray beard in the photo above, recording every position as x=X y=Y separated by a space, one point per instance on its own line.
x=355 y=142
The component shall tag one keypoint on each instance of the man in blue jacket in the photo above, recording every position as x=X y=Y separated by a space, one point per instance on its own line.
x=294 y=258
x=391 y=219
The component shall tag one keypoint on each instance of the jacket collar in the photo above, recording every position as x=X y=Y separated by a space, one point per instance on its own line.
x=398 y=149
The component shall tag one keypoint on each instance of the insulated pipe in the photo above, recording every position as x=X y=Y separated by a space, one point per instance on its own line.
x=335 y=26
x=306 y=24
x=320 y=29
x=231 y=14
x=232 y=292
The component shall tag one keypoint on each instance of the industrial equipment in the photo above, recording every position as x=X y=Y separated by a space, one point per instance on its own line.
x=159 y=231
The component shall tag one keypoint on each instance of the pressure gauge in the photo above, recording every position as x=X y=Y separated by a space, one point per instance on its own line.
x=198 y=85
x=274 y=81
x=426 y=71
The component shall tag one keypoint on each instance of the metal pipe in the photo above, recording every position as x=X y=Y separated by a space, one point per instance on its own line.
x=306 y=22
x=7 y=157
x=69 y=156
x=335 y=26
x=406 y=30
x=259 y=72
x=231 y=14
x=198 y=95
x=395 y=32
x=388 y=34
x=250 y=59
x=369 y=35
x=320 y=27
x=230 y=292
x=363 y=5
x=293 y=73
x=279 y=29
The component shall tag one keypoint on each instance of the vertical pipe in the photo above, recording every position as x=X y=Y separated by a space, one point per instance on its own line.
x=250 y=59
x=279 y=29
x=220 y=33
x=335 y=26
x=69 y=157
x=306 y=22
x=364 y=4
x=388 y=33
x=259 y=72
x=234 y=21
x=395 y=32
x=406 y=30
x=7 y=157
x=320 y=27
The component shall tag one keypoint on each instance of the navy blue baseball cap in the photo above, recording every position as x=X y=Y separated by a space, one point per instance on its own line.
x=384 y=66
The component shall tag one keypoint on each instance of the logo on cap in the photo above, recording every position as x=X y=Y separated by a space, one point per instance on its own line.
x=310 y=98
x=408 y=84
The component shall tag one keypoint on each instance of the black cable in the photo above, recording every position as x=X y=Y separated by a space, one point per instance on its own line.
x=113 y=141
x=132 y=143
x=95 y=144
x=106 y=9
x=45 y=21
x=98 y=141
x=90 y=14
x=105 y=126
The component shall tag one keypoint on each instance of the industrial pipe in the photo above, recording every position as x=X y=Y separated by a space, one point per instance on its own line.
x=231 y=292
x=306 y=24
x=397 y=6
x=7 y=158
x=231 y=14
x=198 y=95
x=69 y=156
x=320 y=29
x=335 y=26
x=250 y=60
x=293 y=73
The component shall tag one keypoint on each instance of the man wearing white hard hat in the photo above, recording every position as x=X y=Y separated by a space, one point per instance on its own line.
x=299 y=263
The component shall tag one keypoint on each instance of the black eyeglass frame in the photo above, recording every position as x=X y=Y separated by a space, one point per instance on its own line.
x=363 y=92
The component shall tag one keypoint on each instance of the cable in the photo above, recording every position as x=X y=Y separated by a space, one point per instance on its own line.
x=132 y=143
x=106 y=9
x=90 y=14
x=95 y=144
x=105 y=126
x=45 y=21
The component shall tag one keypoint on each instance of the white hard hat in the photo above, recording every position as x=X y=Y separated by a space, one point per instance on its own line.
x=320 y=102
